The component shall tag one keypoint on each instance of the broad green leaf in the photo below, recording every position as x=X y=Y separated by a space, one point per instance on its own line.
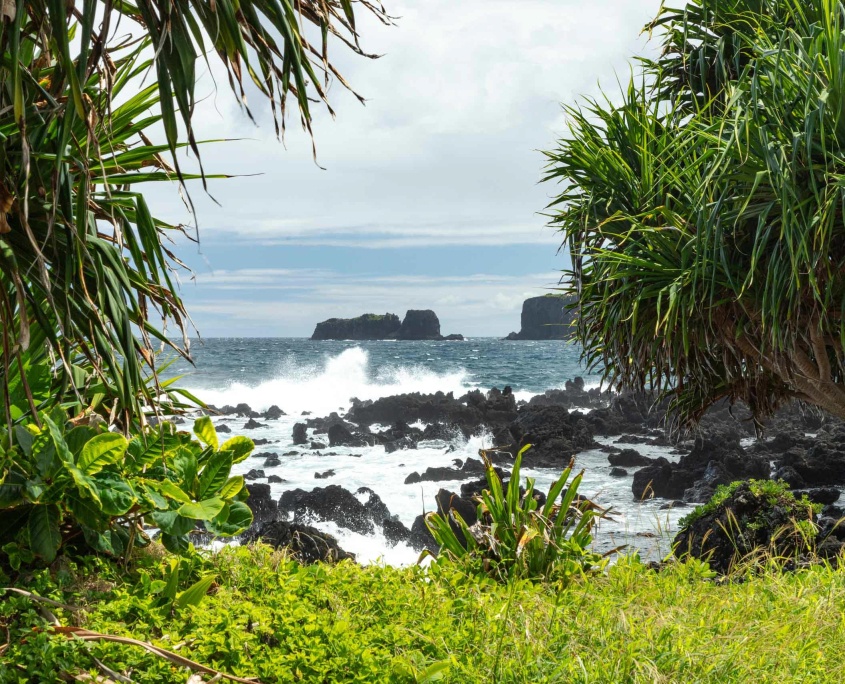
x=78 y=437
x=204 y=429
x=176 y=544
x=110 y=542
x=24 y=438
x=234 y=519
x=62 y=450
x=202 y=510
x=101 y=451
x=193 y=595
x=232 y=487
x=170 y=490
x=186 y=465
x=240 y=447
x=116 y=495
x=214 y=475
x=86 y=511
x=44 y=535
x=150 y=496
x=170 y=522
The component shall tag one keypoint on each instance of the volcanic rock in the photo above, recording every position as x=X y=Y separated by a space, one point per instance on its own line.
x=366 y=327
x=264 y=508
x=629 y=458
x=274 y=413
x=545 y=318
x=336 y=504
x=307 y=544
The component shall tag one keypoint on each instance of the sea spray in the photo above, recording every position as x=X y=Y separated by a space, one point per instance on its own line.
x=323 y=388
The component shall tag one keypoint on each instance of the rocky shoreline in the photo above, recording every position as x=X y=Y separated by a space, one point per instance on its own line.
x=799 y=445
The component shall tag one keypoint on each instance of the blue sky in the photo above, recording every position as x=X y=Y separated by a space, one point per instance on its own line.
x=428 y=196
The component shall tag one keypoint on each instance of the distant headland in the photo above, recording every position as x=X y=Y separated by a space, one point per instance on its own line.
x=419 y=324
x=545 y=318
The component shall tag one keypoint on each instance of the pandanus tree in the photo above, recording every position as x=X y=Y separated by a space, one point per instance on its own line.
x=704 y=210
x=96 y=98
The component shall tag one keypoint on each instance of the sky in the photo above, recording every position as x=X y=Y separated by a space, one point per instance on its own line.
x=426 y=197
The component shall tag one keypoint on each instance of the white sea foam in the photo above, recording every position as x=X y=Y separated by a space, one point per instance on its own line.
x=329 y=386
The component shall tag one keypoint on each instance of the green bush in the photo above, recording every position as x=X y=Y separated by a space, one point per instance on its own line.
x=514 y=539
x=84 y=487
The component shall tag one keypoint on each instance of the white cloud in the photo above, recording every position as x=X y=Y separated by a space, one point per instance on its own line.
x=445 y=153
x=446 y=149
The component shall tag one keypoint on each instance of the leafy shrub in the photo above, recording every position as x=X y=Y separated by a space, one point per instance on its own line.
x=515 y=539
x=81 y=486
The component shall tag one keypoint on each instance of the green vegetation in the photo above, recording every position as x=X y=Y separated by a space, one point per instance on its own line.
x=515 y=540
x=93 y=488
x=774 y=492
x=703 y=210
x=86 y=273
x=270 y=618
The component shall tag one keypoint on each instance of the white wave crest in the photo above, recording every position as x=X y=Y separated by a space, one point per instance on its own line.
x=329 y=386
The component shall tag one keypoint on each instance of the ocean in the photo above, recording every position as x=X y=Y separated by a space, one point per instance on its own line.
x=300 y=375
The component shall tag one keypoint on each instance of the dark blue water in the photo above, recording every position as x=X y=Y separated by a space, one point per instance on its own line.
x=258 y=370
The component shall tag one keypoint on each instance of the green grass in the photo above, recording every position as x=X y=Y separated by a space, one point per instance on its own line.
x=270 y=618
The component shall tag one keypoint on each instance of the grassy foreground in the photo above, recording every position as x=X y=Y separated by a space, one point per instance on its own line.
x=270 y=618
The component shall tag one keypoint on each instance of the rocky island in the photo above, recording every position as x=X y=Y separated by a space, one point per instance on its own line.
x=545 y=318
x=418 y=324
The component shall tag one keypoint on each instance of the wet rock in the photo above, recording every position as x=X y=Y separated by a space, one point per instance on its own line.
x=710 y=463
x=820 y=495
x=307 y=544
x=324 y=475
x=470 y=468
x=264 y=508
x=260 y=441
x=272 y=461
x=641 y=439
x=223 y=428
x=319 y=445
x=429 y=408
x=252 y=424
x=340 y=435
x=421 y=538
x=403 y=443
x=629 y=458
x=243 y=410
x=300 y=433
x=360 y=512
x=395 y=531
x=673 y=504
x=274 y=413
x=618 y=472
x=821 y=464
x=791 y=476
x=291 y=453
x=255 y=474
x=556 y=436
x=275 y=479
